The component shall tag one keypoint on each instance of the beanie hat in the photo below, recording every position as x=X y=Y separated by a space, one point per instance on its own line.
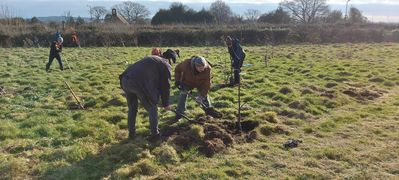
x=60 y=39
x=199 y=61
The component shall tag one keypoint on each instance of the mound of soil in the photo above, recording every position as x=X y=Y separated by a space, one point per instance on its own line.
x=344 y=73
x=297 y=105
x=331 y=84
x=306 y=91
x=211 y=147
x=252 y=136
x=285 y=90
x=363 y=94
x=219 y=134
x=322 y=92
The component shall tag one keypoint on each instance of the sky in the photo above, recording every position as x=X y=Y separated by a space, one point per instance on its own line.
x=277 y=1
x=374 y=10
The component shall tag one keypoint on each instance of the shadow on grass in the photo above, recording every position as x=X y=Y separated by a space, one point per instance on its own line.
x=109 y=158
x=104 y=163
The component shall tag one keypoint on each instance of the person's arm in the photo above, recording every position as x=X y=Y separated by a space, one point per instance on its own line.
x=60 y=48
x=178 y=72
x=206 y=85
x=53 y=47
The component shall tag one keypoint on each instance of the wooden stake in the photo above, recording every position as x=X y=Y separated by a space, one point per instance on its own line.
x=73 y=94
x=239 y=106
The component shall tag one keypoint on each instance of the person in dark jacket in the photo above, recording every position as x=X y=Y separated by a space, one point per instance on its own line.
x=169 y=54
x=55 y=52
x=146 y=80
x=237 y=56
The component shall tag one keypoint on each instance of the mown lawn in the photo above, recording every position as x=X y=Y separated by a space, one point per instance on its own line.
x=341 y=100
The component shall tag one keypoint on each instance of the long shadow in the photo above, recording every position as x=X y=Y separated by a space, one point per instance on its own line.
x=112 y=157
x=104 y=163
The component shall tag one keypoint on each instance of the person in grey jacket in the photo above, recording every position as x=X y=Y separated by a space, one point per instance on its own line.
x=146 y=80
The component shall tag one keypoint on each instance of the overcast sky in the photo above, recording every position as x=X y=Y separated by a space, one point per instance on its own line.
x=277 y=1
x=230 y=1
x=374 y=10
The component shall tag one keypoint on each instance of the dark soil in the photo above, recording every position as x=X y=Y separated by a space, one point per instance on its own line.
x=285 y=90
x=219 y=134
x=322 y=92
x=297 y=105
x=114 y=102
x=363 y=94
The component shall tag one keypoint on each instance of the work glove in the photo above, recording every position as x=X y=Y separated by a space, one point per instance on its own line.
x=178 y=85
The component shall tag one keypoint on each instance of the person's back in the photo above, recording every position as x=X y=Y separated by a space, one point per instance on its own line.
x=147 y=69
x=147 y=80
x=149 y=75
x=237 y=55
x=185 y=72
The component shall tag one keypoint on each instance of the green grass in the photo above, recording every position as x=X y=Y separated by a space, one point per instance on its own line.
x=300 y=94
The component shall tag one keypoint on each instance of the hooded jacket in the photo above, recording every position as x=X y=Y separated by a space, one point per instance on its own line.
x=187 y=74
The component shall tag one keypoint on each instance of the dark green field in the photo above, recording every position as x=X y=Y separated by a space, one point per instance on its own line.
x=341 y=100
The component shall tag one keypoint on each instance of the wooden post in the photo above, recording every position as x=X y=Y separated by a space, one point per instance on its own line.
x=63 y=25
x=73 y=94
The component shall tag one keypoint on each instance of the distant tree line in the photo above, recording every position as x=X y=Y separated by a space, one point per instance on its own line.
x=288 y=11
x=181 y=14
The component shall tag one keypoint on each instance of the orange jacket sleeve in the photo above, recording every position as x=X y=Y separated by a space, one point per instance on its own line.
x=206 y=85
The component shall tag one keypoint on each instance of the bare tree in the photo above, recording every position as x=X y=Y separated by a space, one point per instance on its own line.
x=6 y=14
x=221 y=11
x=334 y=17
x=305 y=11
x=252 y=15
x=132 y=11
x=97 y=12
x=356 y=16
x=68 y=18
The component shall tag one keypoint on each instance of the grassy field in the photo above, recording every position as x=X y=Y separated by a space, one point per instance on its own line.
x=341 y=100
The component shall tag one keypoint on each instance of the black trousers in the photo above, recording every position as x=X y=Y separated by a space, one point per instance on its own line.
x=132 y=97
x=50 y=60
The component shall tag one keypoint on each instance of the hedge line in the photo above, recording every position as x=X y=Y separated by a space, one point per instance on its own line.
x=204 y=37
